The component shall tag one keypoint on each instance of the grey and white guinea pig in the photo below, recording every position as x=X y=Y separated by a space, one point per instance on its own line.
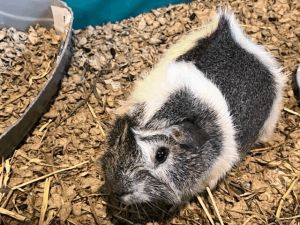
x=194 y=115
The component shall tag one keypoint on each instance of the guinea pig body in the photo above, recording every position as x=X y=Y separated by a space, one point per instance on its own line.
x=199 y=110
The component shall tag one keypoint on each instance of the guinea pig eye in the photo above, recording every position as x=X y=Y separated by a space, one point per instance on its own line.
x=161 y=154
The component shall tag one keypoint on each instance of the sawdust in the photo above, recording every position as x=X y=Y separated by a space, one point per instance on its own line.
x=107 y=60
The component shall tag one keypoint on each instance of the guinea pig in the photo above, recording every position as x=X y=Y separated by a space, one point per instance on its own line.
x=210 y=98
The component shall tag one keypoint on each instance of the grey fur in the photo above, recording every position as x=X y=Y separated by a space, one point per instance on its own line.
x=247 y=84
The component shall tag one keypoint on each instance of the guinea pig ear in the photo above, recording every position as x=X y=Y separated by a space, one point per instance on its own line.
x=188 y=134
x=119 y=132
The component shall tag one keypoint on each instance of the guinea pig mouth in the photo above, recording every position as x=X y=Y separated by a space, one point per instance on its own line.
x=134 y=198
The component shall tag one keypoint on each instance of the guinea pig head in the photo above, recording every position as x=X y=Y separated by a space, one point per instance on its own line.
x=157 y=165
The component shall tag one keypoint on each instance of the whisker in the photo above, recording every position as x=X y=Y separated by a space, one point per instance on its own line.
x=157 y=207
x=145 y=213
x=148 y=204
x=166 y=197
x=138 y=212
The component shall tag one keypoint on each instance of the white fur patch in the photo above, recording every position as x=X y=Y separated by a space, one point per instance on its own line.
x=148 y=152
x=138 y=194
x=270 y=63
